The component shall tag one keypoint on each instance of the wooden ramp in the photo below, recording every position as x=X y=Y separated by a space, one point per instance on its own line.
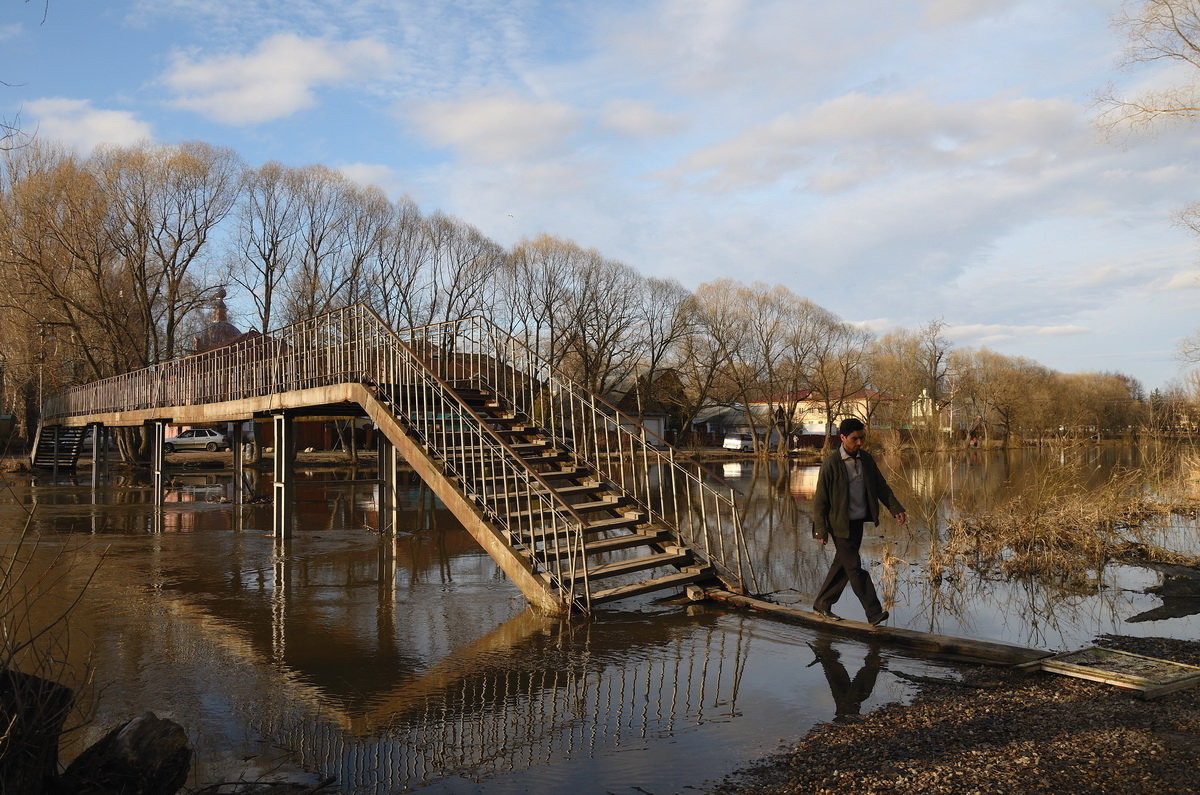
x=944 y=646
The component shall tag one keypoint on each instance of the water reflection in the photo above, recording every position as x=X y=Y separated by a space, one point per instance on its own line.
x=848 y=692
x=408 y=661
x=524 y=696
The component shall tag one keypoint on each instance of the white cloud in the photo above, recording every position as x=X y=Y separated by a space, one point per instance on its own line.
x=1184 y=281
x=276 y=80
x=75 y=123
x=638 y=119
x=991 y=333
x=496 y=127
x=858 y=138
x=949 y=12
x=383 y=177
x=10 y=31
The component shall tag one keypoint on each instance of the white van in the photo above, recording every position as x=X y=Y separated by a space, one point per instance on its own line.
x=739 y=441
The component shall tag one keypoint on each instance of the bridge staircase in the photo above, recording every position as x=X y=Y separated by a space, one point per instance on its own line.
x=57 y=446
x=619 y=538
x=577 y=502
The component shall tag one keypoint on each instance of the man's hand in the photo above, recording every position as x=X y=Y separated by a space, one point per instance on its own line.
x=902 y=517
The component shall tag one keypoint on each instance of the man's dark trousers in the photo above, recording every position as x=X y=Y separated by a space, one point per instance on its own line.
x=847 y=568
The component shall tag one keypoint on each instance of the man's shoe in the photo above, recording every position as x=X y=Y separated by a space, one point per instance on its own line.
x=826 y=613
x=879 y=619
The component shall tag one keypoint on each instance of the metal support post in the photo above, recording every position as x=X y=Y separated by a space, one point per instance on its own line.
x=158 y=432
x=285 y=447
x=388 y=499
x=98 y=448
x=239 y=463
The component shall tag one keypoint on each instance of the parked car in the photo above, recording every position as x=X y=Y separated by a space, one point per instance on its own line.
x=197 y=439
x=739 y=441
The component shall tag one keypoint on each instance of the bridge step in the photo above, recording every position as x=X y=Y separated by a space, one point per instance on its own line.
x=539 y=532
x=613 y=504
x=520 y=447
x=549 y=456
x=685 y=577
x=583 y=489
x=613 y=544
x=634 y=565
x=570 y=473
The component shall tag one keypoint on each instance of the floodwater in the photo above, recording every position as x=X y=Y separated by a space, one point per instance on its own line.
x=409 y=663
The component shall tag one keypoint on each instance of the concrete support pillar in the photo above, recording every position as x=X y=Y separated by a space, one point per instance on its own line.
x=388 y=498
x=285 y=453
x=158 y=432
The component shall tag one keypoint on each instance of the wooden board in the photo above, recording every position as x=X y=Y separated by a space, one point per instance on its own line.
x=1152 y=676
x=945 y=647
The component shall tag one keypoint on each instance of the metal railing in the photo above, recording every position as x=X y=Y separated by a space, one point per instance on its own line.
x=475 y=349
x=415 y=373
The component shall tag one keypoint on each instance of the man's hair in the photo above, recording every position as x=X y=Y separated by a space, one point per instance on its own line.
x=849 y=426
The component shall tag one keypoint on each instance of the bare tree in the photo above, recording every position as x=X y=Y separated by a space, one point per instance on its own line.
x=601 y=323
x=266 y=240
x=537 y=290
x=1157 y=31
x=664 y=321
x=401 y=276
x=166 y=201
x=1161 y=31
x=839 y=370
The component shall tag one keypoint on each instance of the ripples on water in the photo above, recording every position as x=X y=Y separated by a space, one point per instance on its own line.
x=409 y=663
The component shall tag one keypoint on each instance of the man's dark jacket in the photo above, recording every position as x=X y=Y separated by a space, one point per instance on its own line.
x=831 y=503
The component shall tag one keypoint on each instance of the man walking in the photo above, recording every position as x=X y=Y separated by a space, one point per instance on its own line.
x=849 y=490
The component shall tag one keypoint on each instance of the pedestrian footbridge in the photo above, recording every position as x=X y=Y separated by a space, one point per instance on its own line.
x=573 y=499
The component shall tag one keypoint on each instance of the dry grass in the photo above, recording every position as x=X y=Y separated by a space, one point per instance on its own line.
x=1059 y=533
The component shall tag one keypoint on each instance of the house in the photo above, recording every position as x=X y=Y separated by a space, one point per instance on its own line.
x=810 y=423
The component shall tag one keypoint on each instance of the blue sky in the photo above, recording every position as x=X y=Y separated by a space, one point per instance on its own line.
x=894 y=162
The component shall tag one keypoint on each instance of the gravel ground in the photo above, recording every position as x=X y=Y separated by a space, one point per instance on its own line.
x=999 y=731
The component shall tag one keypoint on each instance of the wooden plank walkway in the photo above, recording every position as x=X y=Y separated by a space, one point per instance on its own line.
x=944 y=646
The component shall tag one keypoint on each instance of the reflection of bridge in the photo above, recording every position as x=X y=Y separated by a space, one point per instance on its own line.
x=524 y=696
x=525 y=458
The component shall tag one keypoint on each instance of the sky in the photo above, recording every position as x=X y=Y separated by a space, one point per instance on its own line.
x=894 y=162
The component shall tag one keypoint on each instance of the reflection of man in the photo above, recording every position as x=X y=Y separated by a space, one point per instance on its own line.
x=848 y=694
x=849 y=490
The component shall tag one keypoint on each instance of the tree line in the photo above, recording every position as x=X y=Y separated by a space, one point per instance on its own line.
x=110 y=261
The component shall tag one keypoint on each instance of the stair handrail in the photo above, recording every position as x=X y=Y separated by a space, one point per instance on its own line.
x=553 y=509
x=495 y=348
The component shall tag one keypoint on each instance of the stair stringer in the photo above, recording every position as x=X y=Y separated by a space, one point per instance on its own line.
x=511 y=560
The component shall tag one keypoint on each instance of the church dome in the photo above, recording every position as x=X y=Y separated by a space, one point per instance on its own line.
x=220 y=332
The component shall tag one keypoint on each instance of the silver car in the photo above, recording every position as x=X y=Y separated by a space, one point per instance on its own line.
x=197 y=439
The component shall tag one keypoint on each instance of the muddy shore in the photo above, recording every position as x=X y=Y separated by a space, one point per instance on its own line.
x=999 y=731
